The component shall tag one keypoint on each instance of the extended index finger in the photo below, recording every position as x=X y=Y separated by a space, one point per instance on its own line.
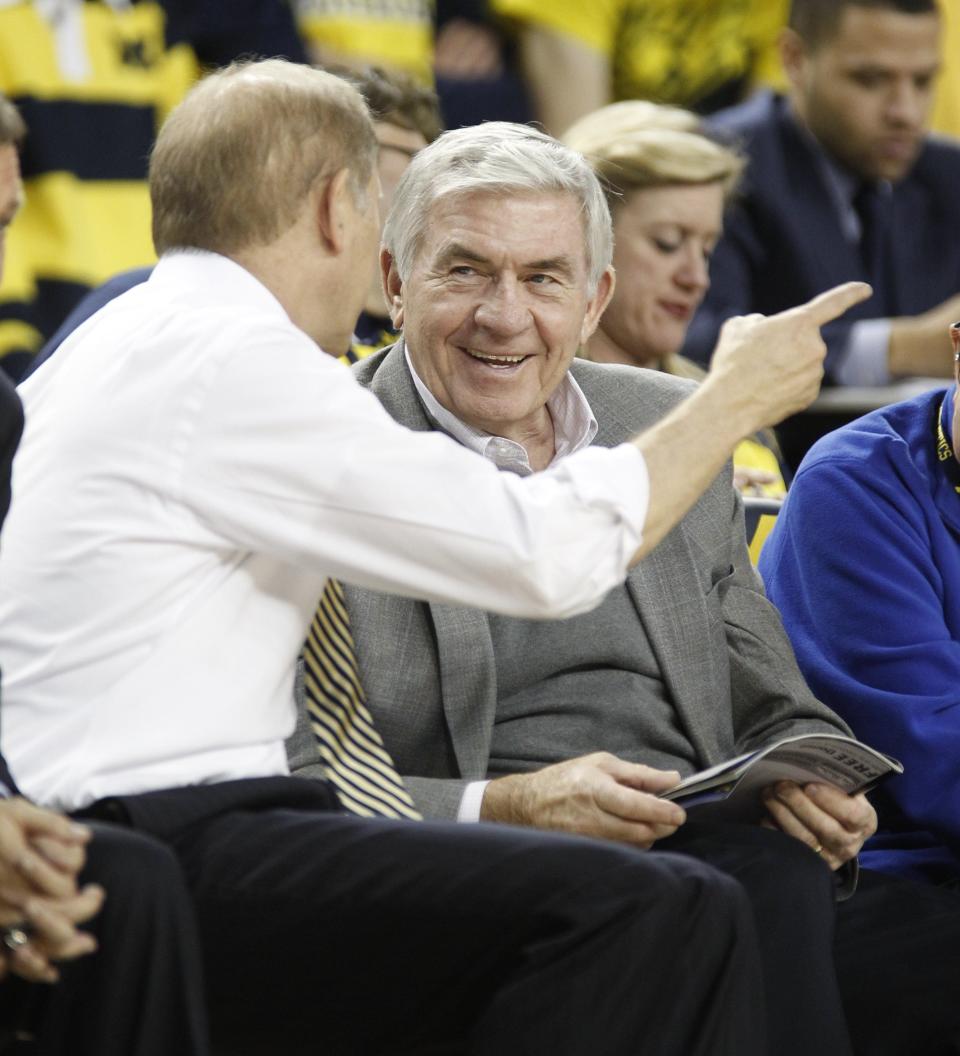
x=831 y=304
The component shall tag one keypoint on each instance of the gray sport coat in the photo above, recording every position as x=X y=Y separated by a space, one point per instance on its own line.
x=429 y=670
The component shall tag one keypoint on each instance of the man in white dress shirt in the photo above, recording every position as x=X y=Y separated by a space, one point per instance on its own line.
x=193 y=470
x=99 y=993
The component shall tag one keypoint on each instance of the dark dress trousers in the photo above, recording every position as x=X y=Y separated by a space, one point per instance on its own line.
x=303 y=930
x=321 y=931
x=324 y=932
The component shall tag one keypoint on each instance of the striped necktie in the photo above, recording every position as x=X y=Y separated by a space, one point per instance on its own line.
x=357 y=763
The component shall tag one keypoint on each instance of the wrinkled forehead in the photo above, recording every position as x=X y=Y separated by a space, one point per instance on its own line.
x=514 y=226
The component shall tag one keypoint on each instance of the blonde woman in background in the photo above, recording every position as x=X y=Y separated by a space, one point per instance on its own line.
x=667 y=185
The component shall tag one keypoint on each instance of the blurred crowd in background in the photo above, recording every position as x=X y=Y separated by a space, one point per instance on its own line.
x=94 y=80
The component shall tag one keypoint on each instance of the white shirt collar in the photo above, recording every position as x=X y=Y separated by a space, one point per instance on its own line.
x=574 y=425
x=214 y=279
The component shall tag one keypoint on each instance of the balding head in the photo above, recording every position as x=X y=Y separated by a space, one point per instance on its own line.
x=234 y=163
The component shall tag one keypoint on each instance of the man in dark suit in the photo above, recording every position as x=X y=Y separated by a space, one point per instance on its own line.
x=843 y=182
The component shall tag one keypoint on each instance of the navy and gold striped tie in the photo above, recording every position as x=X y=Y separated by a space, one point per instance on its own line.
x=357 y=763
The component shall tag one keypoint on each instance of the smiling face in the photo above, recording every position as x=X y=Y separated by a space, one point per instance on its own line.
x=496 y=305
x=663 y=238
x=866 y=91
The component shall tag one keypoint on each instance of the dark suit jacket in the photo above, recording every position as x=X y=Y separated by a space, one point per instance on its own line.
x=783 y=241
x=429 y=670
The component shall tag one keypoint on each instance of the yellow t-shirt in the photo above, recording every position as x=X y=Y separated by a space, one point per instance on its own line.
x=751 y=454
x=946 y=110
x=669 y=52
x=397 y=34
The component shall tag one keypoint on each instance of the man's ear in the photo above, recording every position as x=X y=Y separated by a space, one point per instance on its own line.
x=331 y=210
x=392 y=287
x=597 y=303
x=793 y=56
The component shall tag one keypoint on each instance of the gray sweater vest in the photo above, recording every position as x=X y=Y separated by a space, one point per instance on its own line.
x=584 y=684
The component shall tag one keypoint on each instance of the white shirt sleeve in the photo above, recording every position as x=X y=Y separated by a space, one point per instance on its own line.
x=317 y=472
x=472 y=801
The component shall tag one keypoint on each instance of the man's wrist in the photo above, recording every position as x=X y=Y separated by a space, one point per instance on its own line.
x=721 y=402
x=503 y=800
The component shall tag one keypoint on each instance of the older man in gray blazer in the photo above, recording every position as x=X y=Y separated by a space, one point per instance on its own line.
x=685 y=666
x=576 y=725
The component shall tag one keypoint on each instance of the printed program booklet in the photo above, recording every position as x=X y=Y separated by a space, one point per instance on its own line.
x=731 y=791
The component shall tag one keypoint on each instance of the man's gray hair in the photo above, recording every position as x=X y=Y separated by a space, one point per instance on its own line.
x=496 y=158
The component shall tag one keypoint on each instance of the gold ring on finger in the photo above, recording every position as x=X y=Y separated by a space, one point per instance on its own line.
x=14 y=937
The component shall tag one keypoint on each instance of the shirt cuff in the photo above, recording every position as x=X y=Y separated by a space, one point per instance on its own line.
x=864 y=359
x=472 y=800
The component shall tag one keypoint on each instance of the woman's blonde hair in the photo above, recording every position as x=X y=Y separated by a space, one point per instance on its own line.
x=636 y=144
